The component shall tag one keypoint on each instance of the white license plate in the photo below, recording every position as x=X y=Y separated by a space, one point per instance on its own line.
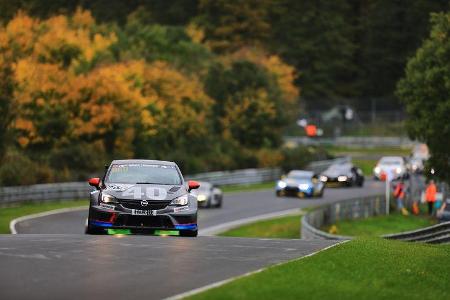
x=141 y=212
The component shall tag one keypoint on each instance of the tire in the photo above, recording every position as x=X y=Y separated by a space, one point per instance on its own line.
x=278 y=193
x=219 y=204
x=189 y=233
x=94 y=230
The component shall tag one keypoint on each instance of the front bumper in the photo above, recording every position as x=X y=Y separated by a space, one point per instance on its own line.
x=119 y=217
x=295 y=192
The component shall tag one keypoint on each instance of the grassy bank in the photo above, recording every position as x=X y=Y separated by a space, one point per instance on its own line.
x=366 y=165
x=287 y=227
x=7 y=214
x=380 y=225
x=360 y=269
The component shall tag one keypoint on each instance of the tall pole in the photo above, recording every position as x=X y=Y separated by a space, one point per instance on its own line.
x=388 y=194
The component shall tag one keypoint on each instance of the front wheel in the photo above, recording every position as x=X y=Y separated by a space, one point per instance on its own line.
x=189 y=233
x=94 y=230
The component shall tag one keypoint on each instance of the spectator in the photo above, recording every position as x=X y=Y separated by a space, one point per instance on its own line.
x=399 y=194
x=443 y=214
x=430 y=196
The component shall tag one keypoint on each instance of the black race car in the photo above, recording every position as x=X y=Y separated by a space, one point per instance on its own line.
x=142 y=196
x=344 y=174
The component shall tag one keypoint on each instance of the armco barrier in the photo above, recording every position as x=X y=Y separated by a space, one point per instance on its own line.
x=357 y=208
x=80 y=190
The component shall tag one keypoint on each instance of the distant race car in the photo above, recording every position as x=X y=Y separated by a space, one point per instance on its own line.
x=345 y=174
x=416 y=165
x=142 y=196
x=393 y=166
x=300 y=184
x=208 y=195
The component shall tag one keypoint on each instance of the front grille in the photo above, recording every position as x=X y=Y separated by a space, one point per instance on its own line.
x=152 y=204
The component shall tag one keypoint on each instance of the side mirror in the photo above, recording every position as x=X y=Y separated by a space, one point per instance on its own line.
x=193 y=185
x=94 y=182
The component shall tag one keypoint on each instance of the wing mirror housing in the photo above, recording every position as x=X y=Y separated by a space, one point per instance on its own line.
x=95 y=182
x=192 y=185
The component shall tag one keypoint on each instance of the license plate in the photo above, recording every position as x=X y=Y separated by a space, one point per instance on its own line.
x=141 y=212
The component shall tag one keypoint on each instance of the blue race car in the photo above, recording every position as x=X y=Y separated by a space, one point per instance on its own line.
x=301 y=184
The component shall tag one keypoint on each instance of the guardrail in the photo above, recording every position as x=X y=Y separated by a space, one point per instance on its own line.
x=351 y=141
x=342 y=210
x=80 y=190
x=435 y=234
x=356 y=208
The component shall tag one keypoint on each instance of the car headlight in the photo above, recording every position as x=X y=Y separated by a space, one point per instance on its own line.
x=323 y=178
x=303 y=186
x=108 y=198
x=281 y=184
x=377 y=170
x=182 y=200
x=201 y=197
x=398 y=170
x=342 y=178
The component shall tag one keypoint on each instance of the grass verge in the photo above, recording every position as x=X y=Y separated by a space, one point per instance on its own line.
x=360 y=269
x=287 y=227
x=379 y=225
x=248 y=187
x=7 y=214
x=366 y=165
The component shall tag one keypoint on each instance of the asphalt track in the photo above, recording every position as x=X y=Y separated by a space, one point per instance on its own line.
x=58 y=262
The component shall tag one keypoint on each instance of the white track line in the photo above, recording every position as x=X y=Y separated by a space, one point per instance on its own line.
x=12 y=224
x=213 y=230
x=222 y=282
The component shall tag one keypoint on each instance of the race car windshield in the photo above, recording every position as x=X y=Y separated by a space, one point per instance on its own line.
x=144 y=173
x=299 y=177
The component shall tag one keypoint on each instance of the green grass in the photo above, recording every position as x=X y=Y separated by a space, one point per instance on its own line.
x=247 y=187
x=7 y=214
x=337 y=150
x=287 y=227
x=360 y=269
x=366 y=165
x=379 y=225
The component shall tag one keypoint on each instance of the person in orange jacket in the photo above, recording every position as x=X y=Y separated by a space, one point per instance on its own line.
x=430 y=196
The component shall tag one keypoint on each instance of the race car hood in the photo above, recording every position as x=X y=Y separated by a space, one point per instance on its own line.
x=335 y=173
x=144 y=191
x=295 y=182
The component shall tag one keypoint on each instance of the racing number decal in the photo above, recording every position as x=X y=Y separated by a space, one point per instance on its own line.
x=151 y=193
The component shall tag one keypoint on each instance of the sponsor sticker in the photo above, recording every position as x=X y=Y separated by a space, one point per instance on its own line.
x=107 y=206
x=177 y=209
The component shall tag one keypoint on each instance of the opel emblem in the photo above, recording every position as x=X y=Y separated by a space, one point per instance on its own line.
x=144 y=203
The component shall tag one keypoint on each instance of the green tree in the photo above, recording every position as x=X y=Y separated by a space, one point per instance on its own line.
x=425 y=90
x=230 y=25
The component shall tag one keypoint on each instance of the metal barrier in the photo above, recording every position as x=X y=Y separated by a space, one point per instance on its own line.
x=351 y=141
x=435 y=234
x=80 y=190
x=357 y=208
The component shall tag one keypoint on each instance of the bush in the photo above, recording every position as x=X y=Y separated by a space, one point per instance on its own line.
x=18 y=169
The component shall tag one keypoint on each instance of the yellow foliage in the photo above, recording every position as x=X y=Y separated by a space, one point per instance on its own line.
x=196 y=34
x=284 y=73
x=82 y=18
x=21 y=31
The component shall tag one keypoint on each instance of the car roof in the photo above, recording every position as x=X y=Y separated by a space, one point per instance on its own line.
x=391 y=158
x=143 y=161
x=301 y=173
